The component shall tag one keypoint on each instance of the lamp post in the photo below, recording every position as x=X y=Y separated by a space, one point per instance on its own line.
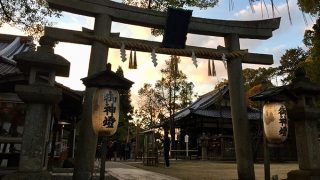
x=275 y=119
x=105 y=112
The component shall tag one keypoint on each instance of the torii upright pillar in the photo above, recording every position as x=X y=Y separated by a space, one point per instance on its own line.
x=86 y=147
x=243 y=145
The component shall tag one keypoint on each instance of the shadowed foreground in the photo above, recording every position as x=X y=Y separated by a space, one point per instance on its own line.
x=206 y=170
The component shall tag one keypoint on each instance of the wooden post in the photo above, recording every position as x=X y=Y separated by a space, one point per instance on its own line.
x=86 y=146
x=240 y=122
x=266 y=158
x=103 y=157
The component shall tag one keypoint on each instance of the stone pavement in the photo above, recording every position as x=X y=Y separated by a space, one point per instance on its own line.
x=126 y=172
x=114 y=171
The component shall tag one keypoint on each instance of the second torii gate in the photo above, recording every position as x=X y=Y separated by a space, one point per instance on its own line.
x=107 y=11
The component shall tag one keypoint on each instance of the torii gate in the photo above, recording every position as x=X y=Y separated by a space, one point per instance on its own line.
x=106 y=11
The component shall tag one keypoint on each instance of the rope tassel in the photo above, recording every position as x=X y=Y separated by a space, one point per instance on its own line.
x=209 y=68
x=176 y=69
x=135 y=65
x=130 y=61
x=213 y=69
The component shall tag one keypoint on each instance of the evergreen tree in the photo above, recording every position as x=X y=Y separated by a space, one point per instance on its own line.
x=290 y=61
x=253 y=77
x=125 y=113
x=310 y=6
x=312 y=63
x=149 y=106
x=170 y=94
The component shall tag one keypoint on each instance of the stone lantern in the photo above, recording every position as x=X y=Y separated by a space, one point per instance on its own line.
x=40 y=95
x=305 y=115
x=204 y=146
x=105 y=112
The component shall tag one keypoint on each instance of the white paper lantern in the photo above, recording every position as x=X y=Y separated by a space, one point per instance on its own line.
x=105 y=115
x=275 y=122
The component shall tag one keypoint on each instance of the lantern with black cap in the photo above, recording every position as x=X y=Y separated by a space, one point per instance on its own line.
x=275 y=118
x=105 y=112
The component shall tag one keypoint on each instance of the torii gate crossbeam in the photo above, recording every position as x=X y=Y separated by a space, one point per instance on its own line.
x=77 y=37
x=106 y=11
x=122 y=13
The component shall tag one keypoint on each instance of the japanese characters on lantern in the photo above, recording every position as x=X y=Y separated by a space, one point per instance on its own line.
x=275 y=121
x=105 y=111
x=109 y=109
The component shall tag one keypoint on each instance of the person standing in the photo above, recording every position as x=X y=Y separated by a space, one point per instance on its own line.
x=166 y=148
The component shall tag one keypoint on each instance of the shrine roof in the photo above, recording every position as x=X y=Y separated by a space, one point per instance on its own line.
x=201 y=107
x=225 y=113
x=9 y=46
x=275 y=94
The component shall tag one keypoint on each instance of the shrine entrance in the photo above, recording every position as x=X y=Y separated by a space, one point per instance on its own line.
x=101 y=39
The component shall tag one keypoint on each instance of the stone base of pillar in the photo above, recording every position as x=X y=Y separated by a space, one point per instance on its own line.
x=304 y=175
x=43 y=175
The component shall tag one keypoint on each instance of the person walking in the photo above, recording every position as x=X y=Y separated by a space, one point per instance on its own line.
x=166 y=148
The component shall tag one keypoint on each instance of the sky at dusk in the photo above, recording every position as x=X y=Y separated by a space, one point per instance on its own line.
x=287 y=36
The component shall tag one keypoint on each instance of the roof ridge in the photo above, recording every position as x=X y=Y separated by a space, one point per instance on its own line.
x=220 y=91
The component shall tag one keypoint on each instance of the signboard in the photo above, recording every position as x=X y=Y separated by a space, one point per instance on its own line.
x=186 y=138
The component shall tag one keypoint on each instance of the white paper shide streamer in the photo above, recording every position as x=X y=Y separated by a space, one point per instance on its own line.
x=123 y=53
x=154 y=58
x=194 y=59
x=224 y=60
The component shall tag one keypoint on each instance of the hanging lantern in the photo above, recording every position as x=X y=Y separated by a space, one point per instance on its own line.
x=105 y=115
x=275 y=122
x=106 y=99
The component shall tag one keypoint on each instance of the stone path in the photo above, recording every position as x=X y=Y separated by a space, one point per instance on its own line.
x=126 y=172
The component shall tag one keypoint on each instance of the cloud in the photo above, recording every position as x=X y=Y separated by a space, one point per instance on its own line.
x=79 y=63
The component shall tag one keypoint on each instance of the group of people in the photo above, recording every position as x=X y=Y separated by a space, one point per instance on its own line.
x=114 y=149
x=122 y=150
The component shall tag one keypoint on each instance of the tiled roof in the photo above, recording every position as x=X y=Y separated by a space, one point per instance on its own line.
x=275 y=94
x=11 y=45
x=10 y=48
x=202 y=104
x=226 y=113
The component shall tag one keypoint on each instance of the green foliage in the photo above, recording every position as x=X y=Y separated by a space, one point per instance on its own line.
x=312 y=39
x=171 y=93
x=312 y=63
x=28 y=15
x=310 y=6
x=125 y=114
x=162 y=5
x=221 y=83
x=149 y=106
x=290 y=61
x=171 y=85
x=186 y=94
x=253 y=77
